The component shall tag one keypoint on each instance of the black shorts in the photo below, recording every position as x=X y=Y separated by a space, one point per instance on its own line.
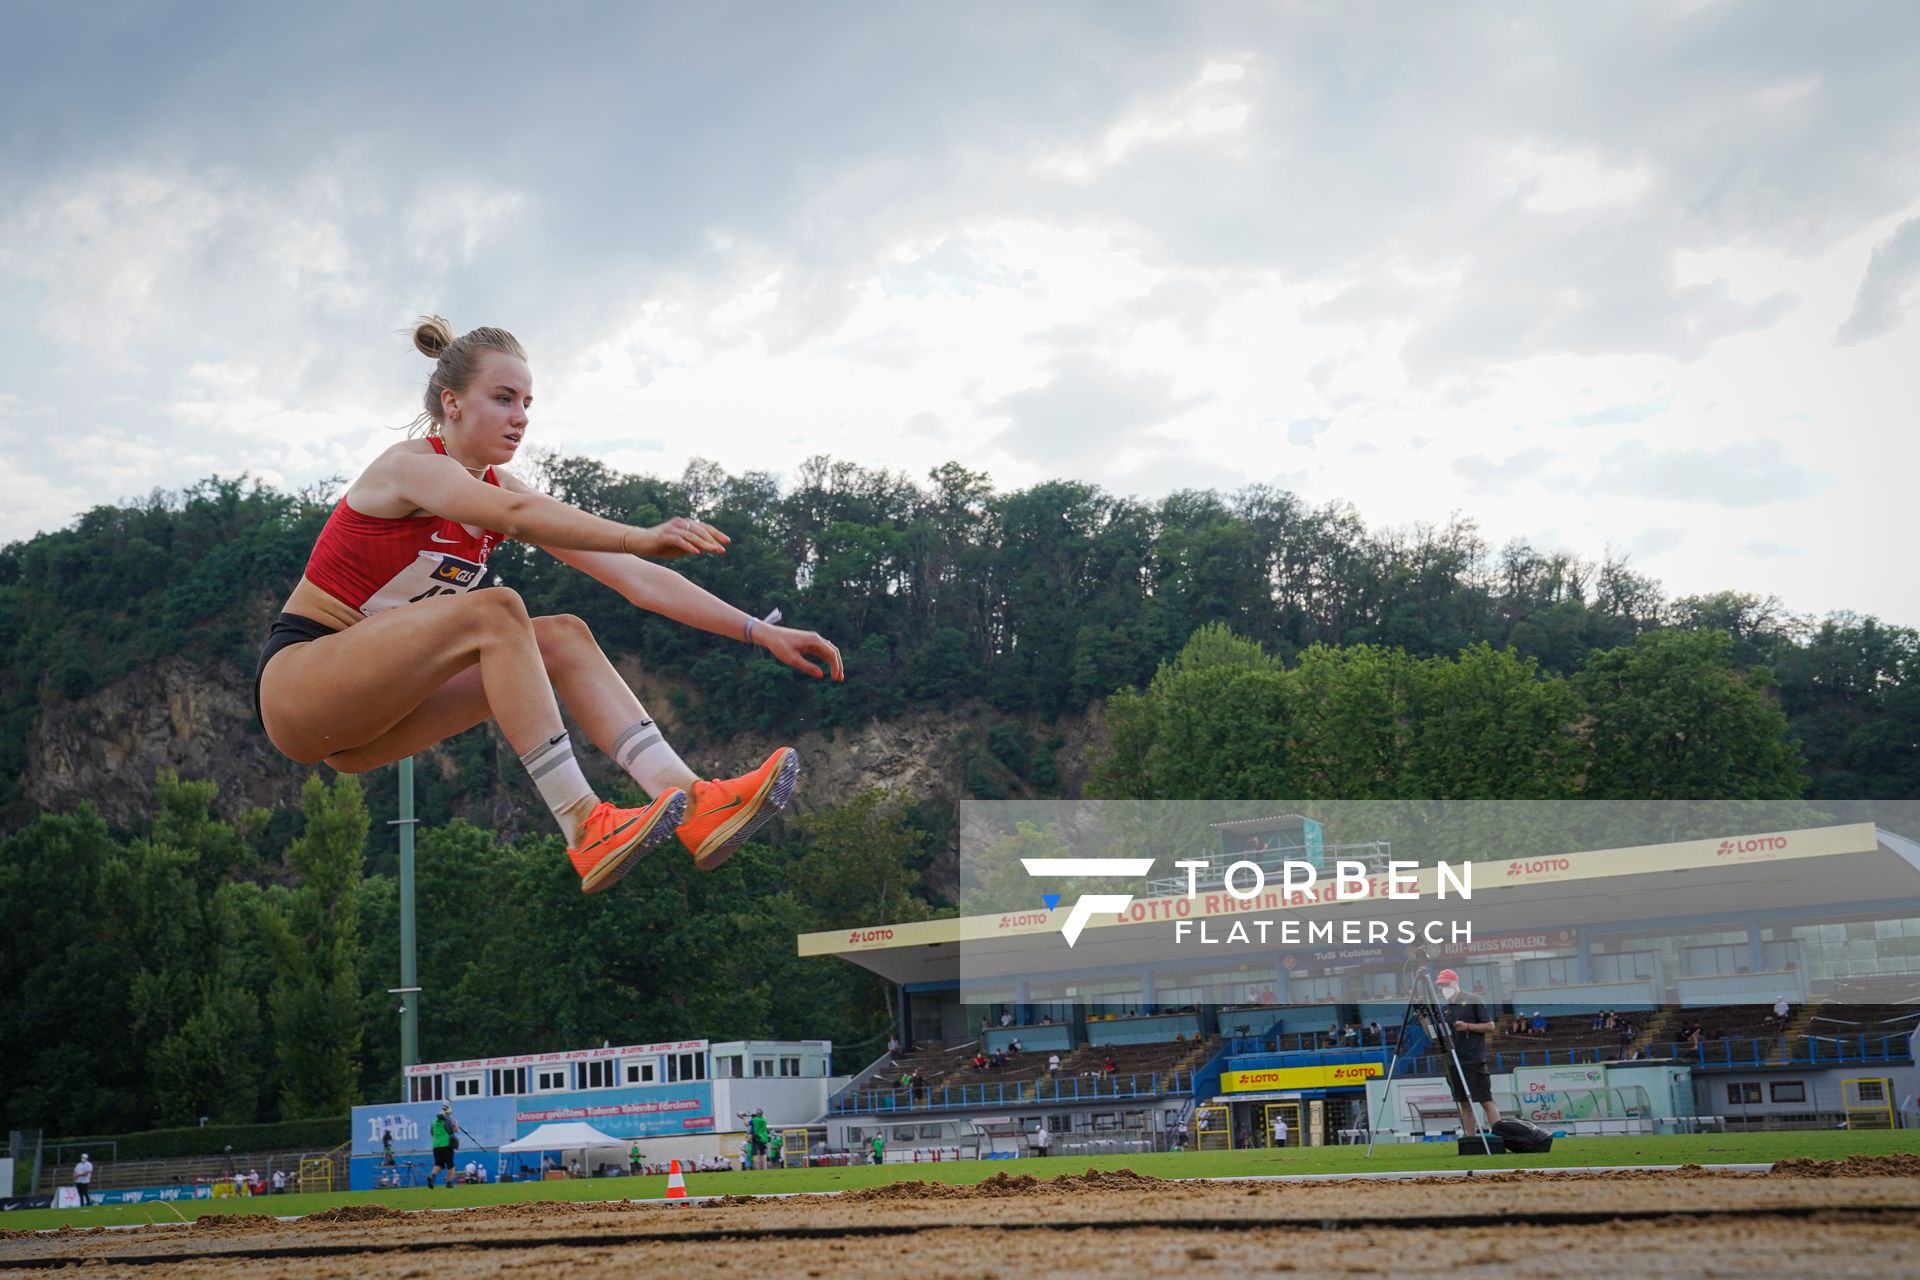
x=1477 y=1087
x=287 y=629
x=443 y=1157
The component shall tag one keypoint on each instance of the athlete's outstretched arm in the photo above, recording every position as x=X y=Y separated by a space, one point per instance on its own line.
x=442 y=486
x=660 y=590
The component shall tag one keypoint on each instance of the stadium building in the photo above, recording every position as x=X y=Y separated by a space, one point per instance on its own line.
x=675 y=1100
x=1146 y=1044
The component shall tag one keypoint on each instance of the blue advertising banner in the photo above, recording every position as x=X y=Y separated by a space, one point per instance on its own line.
x=487 y=1122
x=654 y=1112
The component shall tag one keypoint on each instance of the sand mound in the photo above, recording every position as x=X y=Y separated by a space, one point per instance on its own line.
x=356 y=1213
x=1000 y=1185
x=1900 y=1165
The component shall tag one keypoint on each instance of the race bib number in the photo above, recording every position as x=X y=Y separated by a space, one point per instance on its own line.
x=432 y=573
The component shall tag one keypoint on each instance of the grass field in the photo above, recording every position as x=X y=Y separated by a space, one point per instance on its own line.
x=1732 y=1148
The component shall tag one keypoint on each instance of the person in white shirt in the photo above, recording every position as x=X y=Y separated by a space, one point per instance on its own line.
x=1042 y=1139
x=1781 y=1008
x=83 y=1179
x=1279 y=1130
x=1053 y=1064
x=1006 y=1019
x=279 y=1181
x=472 y=1171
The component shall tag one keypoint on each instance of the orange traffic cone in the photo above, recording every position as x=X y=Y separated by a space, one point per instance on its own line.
x=676 y=1185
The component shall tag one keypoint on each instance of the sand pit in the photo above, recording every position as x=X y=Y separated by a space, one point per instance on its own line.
x=1848 y=1219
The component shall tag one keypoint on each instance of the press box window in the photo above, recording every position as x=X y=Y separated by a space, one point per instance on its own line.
x=424 y=1088
x=640 y=1072
x=550 y=1079
x=789 y=1066
x=763 y=1066
x=466 y=1086
x=1740 y=1094
x=686 y=1066
x=508 y=1081
x=1789 y=1091
x=597 y=1075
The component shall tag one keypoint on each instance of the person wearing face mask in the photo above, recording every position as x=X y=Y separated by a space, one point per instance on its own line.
x=1467 y=1018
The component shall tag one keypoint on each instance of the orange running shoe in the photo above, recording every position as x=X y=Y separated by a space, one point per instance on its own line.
x=724 y=815
x=612 y=841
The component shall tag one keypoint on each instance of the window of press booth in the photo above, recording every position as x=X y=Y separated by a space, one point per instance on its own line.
x=640 y=1071
x=1556 y=971
x=597 y=1074
x=424 y=1088
x=550 y=1080
x=466 y=1086
x=789 y=1066
x=1316 y=990
x=1789 y=1090
x=903 y=1133
x=762 y=1067
x=1742 y=1094
x=686 y=1066
x=1625 y=966
x=729 y=1067
x=508 y=1081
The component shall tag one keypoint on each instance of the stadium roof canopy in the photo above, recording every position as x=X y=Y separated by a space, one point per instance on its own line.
x=1849 y=872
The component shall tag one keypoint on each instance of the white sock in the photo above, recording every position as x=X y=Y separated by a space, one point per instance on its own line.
x=643 y=752
x=557 y=774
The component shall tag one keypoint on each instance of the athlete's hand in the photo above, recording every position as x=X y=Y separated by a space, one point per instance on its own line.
x=793 y=648
x=680 y=536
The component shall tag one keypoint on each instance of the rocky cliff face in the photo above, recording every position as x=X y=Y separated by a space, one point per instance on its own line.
x=198 y=721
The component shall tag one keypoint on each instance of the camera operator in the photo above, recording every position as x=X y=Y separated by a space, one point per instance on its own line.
x=1467 y=1018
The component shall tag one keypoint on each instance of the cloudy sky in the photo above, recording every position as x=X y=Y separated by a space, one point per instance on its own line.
x=1621 y=275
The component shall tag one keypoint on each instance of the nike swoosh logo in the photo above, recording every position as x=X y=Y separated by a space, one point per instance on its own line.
x=611 y=836
x=734 y=803
x=437 y=538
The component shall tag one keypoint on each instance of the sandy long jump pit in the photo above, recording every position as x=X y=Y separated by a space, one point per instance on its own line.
x=1858 y=1217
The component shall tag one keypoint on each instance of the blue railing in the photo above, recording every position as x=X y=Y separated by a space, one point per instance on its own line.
x=1802 y=1051
x=996 y=1093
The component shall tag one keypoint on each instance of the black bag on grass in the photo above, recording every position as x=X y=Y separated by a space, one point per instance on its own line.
x=1483 y=1145
x=1523 y=1137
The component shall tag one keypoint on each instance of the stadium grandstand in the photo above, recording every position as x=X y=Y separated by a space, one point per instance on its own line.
x=1721 y=1013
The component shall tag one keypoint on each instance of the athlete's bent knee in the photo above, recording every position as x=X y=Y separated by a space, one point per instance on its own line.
x=501 y=607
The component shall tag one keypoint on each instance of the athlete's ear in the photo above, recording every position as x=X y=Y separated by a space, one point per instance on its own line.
x=449 y=404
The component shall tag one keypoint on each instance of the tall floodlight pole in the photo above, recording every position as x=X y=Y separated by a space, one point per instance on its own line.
x=409 y=989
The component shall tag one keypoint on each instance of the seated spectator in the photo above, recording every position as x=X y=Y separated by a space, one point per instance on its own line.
x=1595 y=1024
x=893 y=1045
x=1781 y=1009
x=1046 y=1019
x=1375 y=1033
x=1539 y=1023
x=1516 y=1026
x=1006 y=1018
x=1053 y=1064
x=998 y=1060
x=1607 y=1023
x=1013 y=1048
x=979 y=1061
x=1178 y=1038
x=1110 y=1068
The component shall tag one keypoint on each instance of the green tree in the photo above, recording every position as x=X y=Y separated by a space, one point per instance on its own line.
x=1670 y=718
x=314 y=938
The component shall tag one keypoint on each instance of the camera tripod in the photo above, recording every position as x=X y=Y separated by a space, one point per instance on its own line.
x=1425 y=1003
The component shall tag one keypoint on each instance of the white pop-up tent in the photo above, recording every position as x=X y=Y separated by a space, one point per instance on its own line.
x=565 y=1138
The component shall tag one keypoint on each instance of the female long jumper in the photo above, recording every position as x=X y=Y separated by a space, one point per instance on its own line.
x=387 y=646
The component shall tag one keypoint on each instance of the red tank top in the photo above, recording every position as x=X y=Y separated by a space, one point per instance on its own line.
x=373 y=564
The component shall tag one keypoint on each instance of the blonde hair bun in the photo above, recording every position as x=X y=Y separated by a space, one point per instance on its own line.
x=432 y=335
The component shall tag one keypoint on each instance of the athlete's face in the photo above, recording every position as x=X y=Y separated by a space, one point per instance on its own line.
x=486 y=422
